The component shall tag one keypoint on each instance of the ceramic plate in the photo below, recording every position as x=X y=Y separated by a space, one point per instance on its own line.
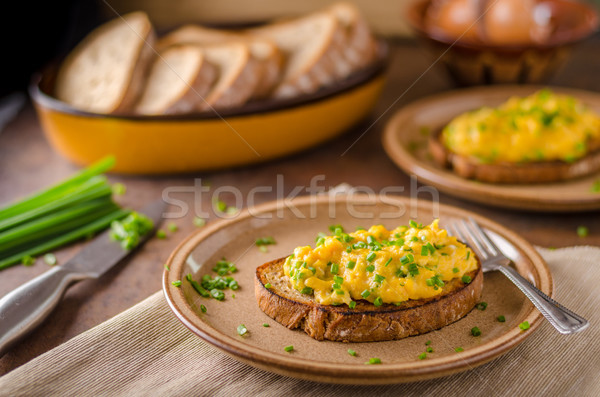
x=297 y=222
x=405 y=141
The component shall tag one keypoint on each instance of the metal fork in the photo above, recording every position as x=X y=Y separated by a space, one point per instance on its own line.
x=564 y=320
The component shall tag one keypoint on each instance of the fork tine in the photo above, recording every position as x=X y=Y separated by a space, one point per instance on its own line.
x=483 y=236
x=483 y=251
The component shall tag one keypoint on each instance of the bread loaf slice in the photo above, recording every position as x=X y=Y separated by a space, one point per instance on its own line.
x=359 y=47
x=264 y=51
x=238 y=75
x=104 y=73
x=366 y=322
x=179 y=79
x=515 y=173
x=312 y=50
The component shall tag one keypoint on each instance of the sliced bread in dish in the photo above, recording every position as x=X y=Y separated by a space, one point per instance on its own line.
x=366 y=322
x=178 y=81
x=105 y=72
x=238 y=75
x=312 y=50
x=264 y=51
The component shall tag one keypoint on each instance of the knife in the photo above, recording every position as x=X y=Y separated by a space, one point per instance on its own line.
x=26 y=307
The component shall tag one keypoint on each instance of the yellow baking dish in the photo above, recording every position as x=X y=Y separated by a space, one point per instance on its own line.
x=205 y=141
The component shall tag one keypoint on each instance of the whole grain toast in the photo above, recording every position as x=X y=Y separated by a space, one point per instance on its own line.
x=517 y=173
x=366 y=322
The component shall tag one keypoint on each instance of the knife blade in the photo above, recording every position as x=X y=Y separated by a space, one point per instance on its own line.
x=24 y=308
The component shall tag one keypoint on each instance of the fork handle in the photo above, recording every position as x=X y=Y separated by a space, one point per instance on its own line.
x=564 y=320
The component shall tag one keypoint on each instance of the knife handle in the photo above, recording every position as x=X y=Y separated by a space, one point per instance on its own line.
x=26 y=307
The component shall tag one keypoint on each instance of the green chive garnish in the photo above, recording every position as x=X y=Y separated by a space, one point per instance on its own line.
x=481 y=306
x=172 y=227
x=365 y=294
x=379 y=278
x=306 y=291
x=582 y=231
x=459 y=349
x=351 y=352
x=388 y=262
x=266 y=325
x=351 y=265
x=288 y=348
x=199 y=222
x=268 y=285
x=352 y=305
x=28 y=260
x=524 y=325
x=468 y=255
x=370 y=268
x=335 y=268
x=161 y=234
x=50 y=259
x=466 y=279
x=428 y=343
x=501 y=319
x=265 y=241
x=422 y=356
x=371 y=257
x=373 y=360
x=455 y=270
x=176 y=283
x=475 y=331
x=429 y=349
x=378 y=301
x=203 y=308
x=167 y=268
x=242 y=330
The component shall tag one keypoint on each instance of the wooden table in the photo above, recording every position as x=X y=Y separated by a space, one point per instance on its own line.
x=27 y=163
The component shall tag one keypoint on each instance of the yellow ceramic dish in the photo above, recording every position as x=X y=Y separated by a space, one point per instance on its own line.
x=204 y=141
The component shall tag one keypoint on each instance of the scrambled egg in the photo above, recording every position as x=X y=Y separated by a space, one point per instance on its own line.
x=541 y=127
x=379 y=265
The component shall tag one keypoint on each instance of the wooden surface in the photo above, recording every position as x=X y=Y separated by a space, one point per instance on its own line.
x=27 y=163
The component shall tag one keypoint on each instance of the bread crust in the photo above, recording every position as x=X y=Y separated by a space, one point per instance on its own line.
x=366 y=322
x=534 y=172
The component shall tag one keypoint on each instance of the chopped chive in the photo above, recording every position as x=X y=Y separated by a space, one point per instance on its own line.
x=501 y=319
x=218 y=295
x=268 y=285
x=288 y=348
x=161 y=234
x=266 y=325
x=351 y=265
x=459 y=349
x=242 y=330
x=413 y=269
x=371 y=257
x=203 y=308
x=351 y=352
x=265 y=241
x=352 y=305
x=428 y=343
x=176 y=283
x=199 y=222
x=320 y=241
x=524 y=325
x=412 y=223
x=167 y=267
x=373 y=360
x=189 y=277
x=429 y=282
x=312 y=269
x=370 y=268
x=339 y=292
x=28 y=260
x=219 y=205
x=172 y=227
x=388 y=262
x=595 y=187
x=199 y=289
x=475 y=331
x=335 y=268
x=50 y=259
x=263 y=248
x=422 y=356
x=455 y=270
x=582 y=231
x=405 y=260
x=466 y=279
x=429 y=349
x=365 y=294
x=118 y=189
x=468 y=255
x=378 y=301
x=481 y=306
x=306 y=291
x=379 y=278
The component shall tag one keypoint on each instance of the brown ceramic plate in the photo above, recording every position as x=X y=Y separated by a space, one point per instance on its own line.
x=297 y=222
x=405 y=141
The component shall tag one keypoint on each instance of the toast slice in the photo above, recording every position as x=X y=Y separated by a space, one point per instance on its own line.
x=366 y=322
x=312 y=46
x=238 y=75
x=359 y=47
x=516 y=173
x=264 y=51
x=179 y=78
x=105 y=72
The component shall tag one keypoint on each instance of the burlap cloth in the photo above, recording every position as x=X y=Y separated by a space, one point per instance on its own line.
x=145 y=351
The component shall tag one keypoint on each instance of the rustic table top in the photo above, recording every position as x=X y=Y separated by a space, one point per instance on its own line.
x=27 y=163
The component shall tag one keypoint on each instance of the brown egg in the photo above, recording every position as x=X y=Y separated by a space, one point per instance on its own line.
x=453 y=18
x=516 y=22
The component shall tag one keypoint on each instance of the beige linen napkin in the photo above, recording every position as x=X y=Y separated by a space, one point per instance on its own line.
x=145 y=351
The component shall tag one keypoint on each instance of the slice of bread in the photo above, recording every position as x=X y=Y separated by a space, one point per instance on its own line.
x=359 y=47
x=238 y=75
x=366 y=322
x=179 y=78
x=105 y=72
x=264 y=51
x=312 y=48
x=516 y=173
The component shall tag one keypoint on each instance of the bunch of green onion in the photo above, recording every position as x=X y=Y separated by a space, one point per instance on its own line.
x=74 y=209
